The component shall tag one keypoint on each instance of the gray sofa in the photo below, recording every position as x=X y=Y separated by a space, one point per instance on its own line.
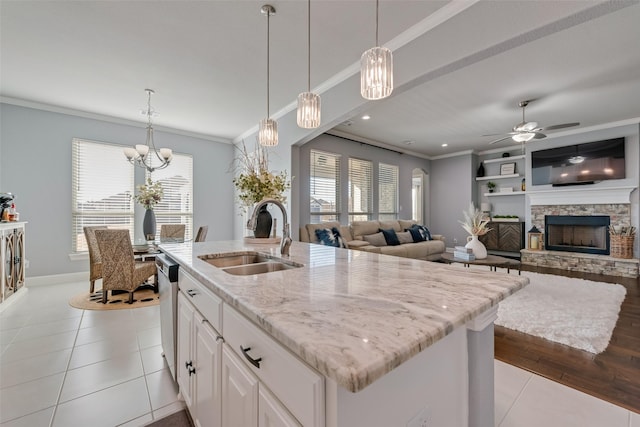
x=366 y=236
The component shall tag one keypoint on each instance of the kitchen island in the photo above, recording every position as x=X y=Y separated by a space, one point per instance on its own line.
x=395 y=341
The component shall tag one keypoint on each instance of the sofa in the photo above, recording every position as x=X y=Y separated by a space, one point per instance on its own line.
x=366 y=236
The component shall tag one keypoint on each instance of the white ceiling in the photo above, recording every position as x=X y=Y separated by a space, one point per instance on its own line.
x=460 y=67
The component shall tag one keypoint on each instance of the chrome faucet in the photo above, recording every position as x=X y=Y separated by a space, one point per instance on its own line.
x=286 y=236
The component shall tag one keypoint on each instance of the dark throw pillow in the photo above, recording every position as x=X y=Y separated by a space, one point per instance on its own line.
x=330 y=237
x=424 y=231
x=416 y=235
x=390 y=237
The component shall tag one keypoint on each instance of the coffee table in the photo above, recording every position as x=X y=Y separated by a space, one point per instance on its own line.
x=492 y=261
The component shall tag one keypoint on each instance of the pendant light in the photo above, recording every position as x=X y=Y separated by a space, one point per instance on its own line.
x=308 y=102
x=140 y=154
x=268 y=129
x=376 y=70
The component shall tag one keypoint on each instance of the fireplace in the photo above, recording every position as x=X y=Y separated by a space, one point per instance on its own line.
x=586 y=234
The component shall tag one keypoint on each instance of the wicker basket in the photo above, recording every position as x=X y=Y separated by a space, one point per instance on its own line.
x=621 y=246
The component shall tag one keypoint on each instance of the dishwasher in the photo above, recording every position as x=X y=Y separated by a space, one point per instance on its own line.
x=168 y=289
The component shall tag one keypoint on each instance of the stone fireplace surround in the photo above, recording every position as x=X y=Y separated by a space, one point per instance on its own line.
x=620 y=214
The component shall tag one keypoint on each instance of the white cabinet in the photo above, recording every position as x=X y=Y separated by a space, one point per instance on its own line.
x=224 y=381
x=12 y=261
x=199 y=364
x=246 y=401
x=239 y=392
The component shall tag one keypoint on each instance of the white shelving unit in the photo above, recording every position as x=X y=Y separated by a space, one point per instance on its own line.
x=487 y=178
x=505 y=193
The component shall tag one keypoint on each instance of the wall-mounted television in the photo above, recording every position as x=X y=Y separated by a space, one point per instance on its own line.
x=579 y=164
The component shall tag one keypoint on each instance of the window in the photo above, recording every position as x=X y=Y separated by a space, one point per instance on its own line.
x=387 y=192
x=102 y=187
x=324 y=187
x=360 y=190
x=176 y=206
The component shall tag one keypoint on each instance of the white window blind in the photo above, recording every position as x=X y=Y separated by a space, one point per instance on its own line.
x=176 y=206
x=360 y=190
x=324 y=186
x=102 y=184
x=387 y=192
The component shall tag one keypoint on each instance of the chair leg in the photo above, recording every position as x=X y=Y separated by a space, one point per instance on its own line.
x=92 y=286
x=104 y=295
x=131 y=297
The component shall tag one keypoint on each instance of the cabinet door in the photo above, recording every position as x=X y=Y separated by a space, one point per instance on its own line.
x=185 y=362
x=207 y=364
x=510 y=236
x=272 y=413
x=19 y=258
x=239 y=392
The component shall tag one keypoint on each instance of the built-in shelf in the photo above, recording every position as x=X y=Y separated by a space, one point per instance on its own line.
x=505 y=193
x=487 y=178
x=504 y=159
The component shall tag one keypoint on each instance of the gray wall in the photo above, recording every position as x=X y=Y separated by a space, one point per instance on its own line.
x=347 y=148
x=35 y=165
x=452 y=189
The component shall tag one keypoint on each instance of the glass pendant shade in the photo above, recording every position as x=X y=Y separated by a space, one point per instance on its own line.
x=268 y=133
x=308 y=110
x=376 y=73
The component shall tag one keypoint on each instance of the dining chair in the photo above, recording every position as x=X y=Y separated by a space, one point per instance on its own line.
x=172 y=232
x=119 y=269
x=201 y=235
x=95 y=260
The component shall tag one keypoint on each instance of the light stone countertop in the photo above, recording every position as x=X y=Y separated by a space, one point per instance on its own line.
x=352 y=315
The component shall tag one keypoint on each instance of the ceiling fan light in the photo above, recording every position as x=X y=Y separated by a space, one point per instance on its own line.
x=308 y=110
x=523 y=137
x=268 y=133
x=376 y=73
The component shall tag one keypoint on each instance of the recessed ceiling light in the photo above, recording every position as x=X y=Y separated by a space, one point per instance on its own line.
x=445 y=145
x=366 y=117
x=408 y=142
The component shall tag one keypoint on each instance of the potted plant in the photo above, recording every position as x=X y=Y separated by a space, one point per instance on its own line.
x=256 y=182
x=149 y=195
x=491 y=186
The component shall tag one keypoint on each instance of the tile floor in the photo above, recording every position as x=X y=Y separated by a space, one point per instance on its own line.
x=60 y=366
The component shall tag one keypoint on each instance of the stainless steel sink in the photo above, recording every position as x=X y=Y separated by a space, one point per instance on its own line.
x=236 y=258
x=267 y=267
x=248 y=263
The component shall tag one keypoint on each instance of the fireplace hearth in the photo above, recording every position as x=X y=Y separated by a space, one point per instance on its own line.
x=585 y=234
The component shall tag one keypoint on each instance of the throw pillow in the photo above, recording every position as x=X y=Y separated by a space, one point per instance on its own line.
x=390 y=237
x=326 y=237
x=416 y=235
x=424 y=231
x=404 y=237
x=338 y=237
x=375 y=239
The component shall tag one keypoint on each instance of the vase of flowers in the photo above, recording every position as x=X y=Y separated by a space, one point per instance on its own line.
x=148 y=196
x=475 y=224
x=256 y=182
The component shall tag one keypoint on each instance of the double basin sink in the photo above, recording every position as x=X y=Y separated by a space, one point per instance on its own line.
x=248 y=263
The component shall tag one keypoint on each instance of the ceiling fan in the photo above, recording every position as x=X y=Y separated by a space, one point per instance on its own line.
x=526 y=131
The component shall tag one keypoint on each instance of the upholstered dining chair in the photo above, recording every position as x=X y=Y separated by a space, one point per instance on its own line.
x=201 y=235
x=119 y=269
x=95 y=261
x=172 y=232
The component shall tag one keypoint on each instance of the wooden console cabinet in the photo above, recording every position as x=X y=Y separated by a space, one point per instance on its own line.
x=504 y=237
x=12 y=258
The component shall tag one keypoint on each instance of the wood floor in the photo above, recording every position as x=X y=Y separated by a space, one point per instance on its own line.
x=613 y=375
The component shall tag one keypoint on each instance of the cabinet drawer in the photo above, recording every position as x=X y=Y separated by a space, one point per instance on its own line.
x=207 y=303
x=298 y=387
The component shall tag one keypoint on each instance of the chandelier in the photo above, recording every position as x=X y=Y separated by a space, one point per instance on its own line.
x=268 y=128
x=140 y=154
x=376 y=70
x=308 y=102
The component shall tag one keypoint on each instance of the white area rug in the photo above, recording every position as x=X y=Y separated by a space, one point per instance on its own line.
x=576 y=312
